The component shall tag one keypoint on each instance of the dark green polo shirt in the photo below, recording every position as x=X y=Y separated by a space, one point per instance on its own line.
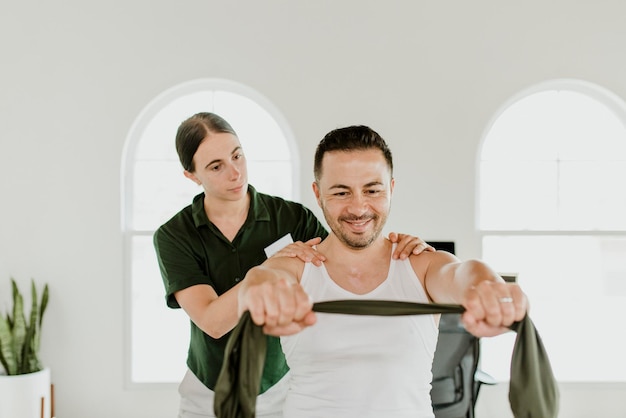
x=191 y=250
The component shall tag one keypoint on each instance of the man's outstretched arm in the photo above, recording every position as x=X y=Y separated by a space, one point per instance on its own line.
x=274 y=297
x=491 y=304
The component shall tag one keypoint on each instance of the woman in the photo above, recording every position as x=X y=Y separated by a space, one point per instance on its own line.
x=206 y=249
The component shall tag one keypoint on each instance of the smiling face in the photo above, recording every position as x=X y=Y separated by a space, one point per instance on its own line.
x=220 y=167
x=354 y=191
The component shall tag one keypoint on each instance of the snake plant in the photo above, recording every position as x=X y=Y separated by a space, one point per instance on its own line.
x=20 y=338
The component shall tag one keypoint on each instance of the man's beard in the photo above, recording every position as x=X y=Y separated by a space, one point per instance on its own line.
x=350 y=239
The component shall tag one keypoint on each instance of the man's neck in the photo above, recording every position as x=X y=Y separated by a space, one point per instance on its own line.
x=358 y=270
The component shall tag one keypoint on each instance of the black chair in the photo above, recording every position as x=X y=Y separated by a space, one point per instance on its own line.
x=456 y=376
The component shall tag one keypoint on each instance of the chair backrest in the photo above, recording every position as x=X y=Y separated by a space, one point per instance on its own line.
x=455 y=387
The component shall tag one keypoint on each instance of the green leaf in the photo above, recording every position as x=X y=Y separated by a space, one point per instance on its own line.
x=19 y=339
x=7 y=355
x=19 y=324
x=44 y=304
x=31 y=346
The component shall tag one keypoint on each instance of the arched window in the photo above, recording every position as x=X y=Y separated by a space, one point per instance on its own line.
x=154 y=189
x=552 y=210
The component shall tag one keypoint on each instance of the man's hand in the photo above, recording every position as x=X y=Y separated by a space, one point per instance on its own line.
x=492 y=307
x=304 y=251
x=279 y=305
x=407 y=245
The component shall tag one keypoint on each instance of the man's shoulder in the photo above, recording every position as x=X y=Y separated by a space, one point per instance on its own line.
x=291 y=264
x=427 y=258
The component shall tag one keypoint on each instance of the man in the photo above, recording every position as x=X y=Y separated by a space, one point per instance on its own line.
x=206 y=249
x=353 y=366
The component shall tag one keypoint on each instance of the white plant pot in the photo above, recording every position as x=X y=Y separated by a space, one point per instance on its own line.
x=21 y=395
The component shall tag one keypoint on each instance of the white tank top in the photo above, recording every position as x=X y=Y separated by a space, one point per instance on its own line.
x=352 y=366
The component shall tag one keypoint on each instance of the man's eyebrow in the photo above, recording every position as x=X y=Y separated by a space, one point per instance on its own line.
x=370 y=184
x=237 y=148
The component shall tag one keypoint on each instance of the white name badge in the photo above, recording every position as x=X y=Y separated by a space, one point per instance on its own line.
x=281 y=243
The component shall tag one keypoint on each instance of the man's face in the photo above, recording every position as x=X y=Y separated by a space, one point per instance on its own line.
x=354 y=192
x=220 y=167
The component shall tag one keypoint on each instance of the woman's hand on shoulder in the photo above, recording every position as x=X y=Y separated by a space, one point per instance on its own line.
x=408 y=245
x=304 y=251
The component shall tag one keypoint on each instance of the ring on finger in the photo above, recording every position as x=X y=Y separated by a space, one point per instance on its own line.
x=507 y=299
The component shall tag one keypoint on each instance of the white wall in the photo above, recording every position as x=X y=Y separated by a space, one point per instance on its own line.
x=427 y=75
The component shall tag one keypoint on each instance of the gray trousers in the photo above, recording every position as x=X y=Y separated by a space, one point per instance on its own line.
x=196 y=400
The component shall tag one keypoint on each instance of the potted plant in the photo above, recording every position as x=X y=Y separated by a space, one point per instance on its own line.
x=25 y=383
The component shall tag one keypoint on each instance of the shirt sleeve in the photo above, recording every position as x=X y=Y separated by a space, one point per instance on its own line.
x=180 y=265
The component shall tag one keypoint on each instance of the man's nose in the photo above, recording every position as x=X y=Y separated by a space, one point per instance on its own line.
x=358 y=205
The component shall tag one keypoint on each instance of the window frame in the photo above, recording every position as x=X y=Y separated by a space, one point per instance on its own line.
x=128 y=158
x=614 y=103
x=599 y=93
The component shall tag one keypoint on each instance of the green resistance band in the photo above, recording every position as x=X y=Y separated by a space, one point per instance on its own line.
x=533 y=390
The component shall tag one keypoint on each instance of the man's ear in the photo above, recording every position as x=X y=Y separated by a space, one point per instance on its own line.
x=316 y=191
x=392 y=184
x=192 y=177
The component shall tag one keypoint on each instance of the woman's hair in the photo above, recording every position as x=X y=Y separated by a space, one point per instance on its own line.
x=192 y=132
x=350 y=138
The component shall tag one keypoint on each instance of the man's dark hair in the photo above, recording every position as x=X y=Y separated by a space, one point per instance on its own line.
x=192 y=132
x=350 y=138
